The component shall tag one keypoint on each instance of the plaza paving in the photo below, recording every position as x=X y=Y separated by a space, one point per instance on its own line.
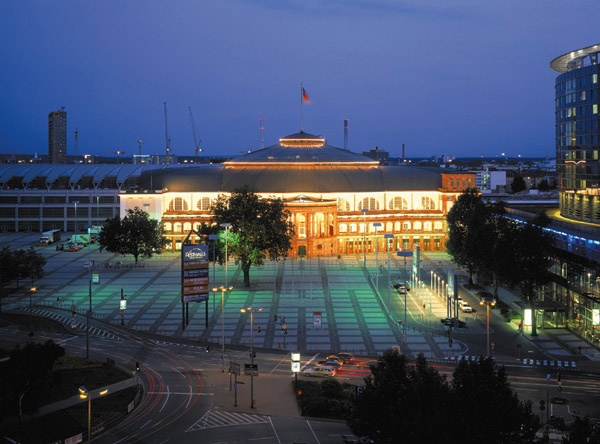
x=353 y=317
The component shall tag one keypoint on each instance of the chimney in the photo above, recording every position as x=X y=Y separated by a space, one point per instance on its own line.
x=403 y=154
x=345 y=134
x=262 y=131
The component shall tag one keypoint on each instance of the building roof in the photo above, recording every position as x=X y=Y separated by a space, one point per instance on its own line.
x=568 y=61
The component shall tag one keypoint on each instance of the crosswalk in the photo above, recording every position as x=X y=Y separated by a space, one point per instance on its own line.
x=72 y=324
x=527 y=362
x=220 y=418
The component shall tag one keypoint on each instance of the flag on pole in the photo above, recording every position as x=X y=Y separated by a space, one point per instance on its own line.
x=305 y=96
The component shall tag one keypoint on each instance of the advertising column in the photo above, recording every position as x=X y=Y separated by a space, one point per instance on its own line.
x=194 y=278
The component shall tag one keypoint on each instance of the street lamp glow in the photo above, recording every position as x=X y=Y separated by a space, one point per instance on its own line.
x=223 y=289
x=85 y=394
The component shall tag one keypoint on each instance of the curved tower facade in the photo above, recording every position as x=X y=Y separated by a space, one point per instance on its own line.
x=578 y=133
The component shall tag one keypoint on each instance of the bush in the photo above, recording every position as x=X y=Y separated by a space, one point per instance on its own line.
x=327 y=399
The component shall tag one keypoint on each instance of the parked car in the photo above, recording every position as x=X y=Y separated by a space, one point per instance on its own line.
x=346 y=357
x=466 y=307
x=450 y=322
x=319 y=371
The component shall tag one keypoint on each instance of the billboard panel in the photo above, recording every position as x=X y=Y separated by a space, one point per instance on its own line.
x=194 y=273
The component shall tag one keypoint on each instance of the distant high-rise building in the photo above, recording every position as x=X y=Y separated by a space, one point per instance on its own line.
x=57 y=136
x=578 y=133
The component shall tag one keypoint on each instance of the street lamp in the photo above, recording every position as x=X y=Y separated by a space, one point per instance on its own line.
x=487 y=303
x=251 y=310
x=83 y=394
x=31 y=291
x=223 y=291
x=377 y=225
x=227 y=226
x=387 y=237
x=214 y=238
x=364 y=212
x=75 y=219
x=87 y=326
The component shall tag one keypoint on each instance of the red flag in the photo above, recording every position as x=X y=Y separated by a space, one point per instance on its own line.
x=305 y=96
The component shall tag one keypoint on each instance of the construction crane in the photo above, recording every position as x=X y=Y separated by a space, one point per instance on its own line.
x=118 y=152
x=196 y=141
x=167 y=140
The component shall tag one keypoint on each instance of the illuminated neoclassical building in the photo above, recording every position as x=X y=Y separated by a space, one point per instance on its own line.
x=333 y=195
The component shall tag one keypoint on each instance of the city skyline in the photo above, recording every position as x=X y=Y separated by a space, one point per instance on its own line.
x=439 y=79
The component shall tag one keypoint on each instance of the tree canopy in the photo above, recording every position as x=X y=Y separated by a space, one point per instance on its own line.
x=260 y=228
x=518 y=184
x=415 y=404
x=19 y=264
x=136 y=234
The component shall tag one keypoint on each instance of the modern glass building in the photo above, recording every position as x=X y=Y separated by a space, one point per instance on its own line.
x=578 y=133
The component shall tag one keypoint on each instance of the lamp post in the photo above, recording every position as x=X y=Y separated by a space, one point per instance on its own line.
x=87 y=318
x=223 y=291
x=214 y=238
x=387 y=237
x=75 y=202
x=251 y=310
x=85 y=394
x=227 y=226
x=377 y=225
x=364 y=212
x=31 y=291
x=487 y=303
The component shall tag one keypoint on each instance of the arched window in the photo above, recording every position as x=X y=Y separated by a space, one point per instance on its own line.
x=178 y=204
x=368 y=203
x=301 y=225
x=343 y=204
x=406 y=226
x=204 y=203
x=389 y=227
x=187 y=227
x=352 y=228
x=397 y=227
x=371 y=228
x=343 y=228
x=177 y=227
x=398 y=203
x=168 y=227
x=417 y=226
x=427 y=226
x=438 y=226
x=361 y=228
x=427 y=203
x=197 y=226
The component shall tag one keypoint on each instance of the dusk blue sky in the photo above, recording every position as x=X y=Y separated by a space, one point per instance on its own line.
x=461 y=77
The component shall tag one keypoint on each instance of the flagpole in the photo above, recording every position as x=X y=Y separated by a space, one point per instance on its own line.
x=301 y=108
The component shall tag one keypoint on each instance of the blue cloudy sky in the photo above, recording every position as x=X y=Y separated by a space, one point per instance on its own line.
x=465 y=77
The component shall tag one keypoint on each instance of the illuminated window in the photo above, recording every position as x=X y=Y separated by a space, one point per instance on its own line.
x=438 y=226
x=397 y=227
x=389 y=227
x=406 y=226
x=368 y=203
x=398 y=203
x=343 y=204
x=427 y=203
x=177 y=227
x=204 y=204
x=167 y=227
x=197 y=226
x=352 y=228
x=371 y=228
x=343 y=228
x=417 y=226
x=187 y=227
x=595 y=108
x=427 y=226
x=301 y=225
x=594 y=78
x=361 y=228
x=178 y=204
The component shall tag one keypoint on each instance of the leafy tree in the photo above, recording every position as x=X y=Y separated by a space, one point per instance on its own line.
x=543 y=186
x=531 y=248
x=518 y=184
x=136 y=234
x=583 y=432
x=260 y=228
x=31 y=265
x=414 y=404
x=466 y=230
x=24 y=377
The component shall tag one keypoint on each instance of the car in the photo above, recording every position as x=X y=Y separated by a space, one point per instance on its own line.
x=449 y=322
x=329 y=363
x=319 y=371
x=76 y=247
x=346 y=357
x=334 y=358
x=466 y=307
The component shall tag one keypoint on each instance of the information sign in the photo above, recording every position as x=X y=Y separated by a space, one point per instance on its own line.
x=95 y=277
x=123 y=304
x=251 y=369
x=194 y=273
x=235 y=368
x=316 y=319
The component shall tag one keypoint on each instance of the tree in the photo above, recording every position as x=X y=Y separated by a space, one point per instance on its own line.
x=31 y=265
x=24 y=377
x=518 y=184
x=531 y=248
x=414 y=404
x=136 y=234
x=543 y=186
x=466 y=230
x=260 y=228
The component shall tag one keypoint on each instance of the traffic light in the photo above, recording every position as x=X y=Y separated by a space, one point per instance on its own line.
x=299 y=392
x=254 y=354
x=207 y=349
x=285 y=331
x=137 y=366
x=276 y=317
x=259 y=329
x=542 y=405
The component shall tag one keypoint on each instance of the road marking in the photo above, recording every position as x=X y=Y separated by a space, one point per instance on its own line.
x=275 y=431
x=279 y=363
x=174 y=368
x=313 y=432
x=181 y=393
x=163 y=406
x=311 y=360
x=258 y=439
x=190 y=398
x=66 y=340
x=145 y=424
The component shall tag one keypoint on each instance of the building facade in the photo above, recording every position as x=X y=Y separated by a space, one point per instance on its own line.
x=340 y=202
x=578 y=133
x=57 y=137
